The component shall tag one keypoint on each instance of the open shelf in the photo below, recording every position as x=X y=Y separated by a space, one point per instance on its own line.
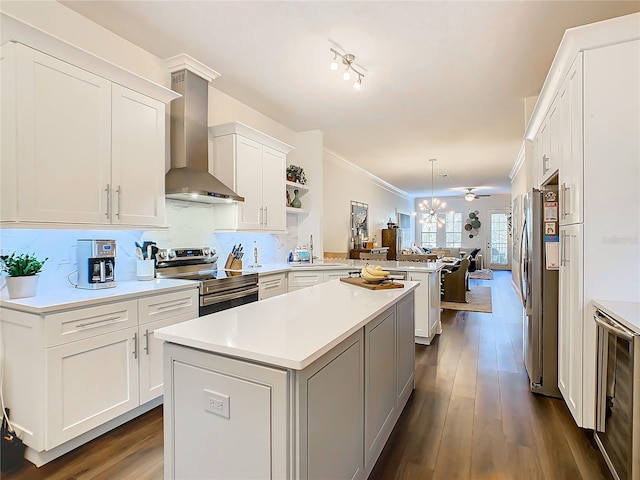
x=302 y=188
x=296 y=210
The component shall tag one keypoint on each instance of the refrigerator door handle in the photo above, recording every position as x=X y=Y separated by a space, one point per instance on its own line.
x=524 y=260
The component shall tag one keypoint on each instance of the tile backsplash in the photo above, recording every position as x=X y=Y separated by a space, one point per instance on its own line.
x=190 y=225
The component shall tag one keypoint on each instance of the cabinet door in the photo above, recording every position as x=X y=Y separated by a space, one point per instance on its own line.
x=297 y=280
x=63 y=119
x=422 y=333
x=273 y=189
x=249 y=183
x=571 y=157
x=570 y=324
x=549 y=138
x=150 y=354
x=138 y=147
x=379 y=384
x=405 y=350
x=90 y=382
x=336 y=274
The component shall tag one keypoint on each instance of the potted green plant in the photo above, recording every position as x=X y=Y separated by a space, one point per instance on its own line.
x=22 y=273
x=296 y=174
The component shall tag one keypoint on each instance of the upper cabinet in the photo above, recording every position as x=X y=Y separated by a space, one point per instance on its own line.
x=253 y=165
x=77 y=148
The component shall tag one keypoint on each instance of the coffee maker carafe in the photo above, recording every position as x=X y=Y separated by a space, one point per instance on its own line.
x=96 y=264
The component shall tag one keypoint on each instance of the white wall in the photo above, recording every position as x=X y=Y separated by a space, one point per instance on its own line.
x=344 y=182
x=483 y=205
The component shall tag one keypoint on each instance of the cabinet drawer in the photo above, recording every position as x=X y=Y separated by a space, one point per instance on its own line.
x=272 y=285
x=168 y=305
x=75 y=325
x=305 y=279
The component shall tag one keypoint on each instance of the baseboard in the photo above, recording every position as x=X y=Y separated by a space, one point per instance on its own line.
x=40 y=458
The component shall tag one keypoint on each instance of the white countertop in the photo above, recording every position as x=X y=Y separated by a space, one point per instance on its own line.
x=49 y=300
x=427 y=267
x=627 y=313
x=291 y=330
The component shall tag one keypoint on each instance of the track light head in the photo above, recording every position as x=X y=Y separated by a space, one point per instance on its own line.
x=347 y=60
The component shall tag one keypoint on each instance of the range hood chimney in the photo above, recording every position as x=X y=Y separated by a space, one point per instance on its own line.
x=188 y=178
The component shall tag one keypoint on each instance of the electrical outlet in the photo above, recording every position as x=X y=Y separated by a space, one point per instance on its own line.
x=217 y=403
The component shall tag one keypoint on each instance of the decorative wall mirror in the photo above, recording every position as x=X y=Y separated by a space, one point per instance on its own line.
x=359 y=222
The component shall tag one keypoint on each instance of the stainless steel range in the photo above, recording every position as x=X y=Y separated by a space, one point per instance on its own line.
x=219 y=289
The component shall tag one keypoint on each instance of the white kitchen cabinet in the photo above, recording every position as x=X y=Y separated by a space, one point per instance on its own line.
x=70 y=372
x=427 y=306
x=571 y=138
x=549 y=153
x=405 y=350
x=253 y=165
x=89 y=382
x=137 y=169
x=570 y=325
x=272 y=284
x=77 y=148
x=305 y=278
x=156 y=312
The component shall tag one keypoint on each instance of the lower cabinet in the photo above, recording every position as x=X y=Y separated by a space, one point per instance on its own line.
x=427 y=306
x=70 y=372
x=271 y=285
x=298 y=279
x=232 y=418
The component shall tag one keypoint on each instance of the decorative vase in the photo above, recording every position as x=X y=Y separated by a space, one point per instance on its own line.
x=291 y=178
x=296 y=203
x=22 y=287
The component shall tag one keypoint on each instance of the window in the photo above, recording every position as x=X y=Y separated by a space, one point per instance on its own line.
x=453 y=230
x=429 y=232
x=499 y=235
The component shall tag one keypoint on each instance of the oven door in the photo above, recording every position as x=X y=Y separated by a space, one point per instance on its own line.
x=618 y=403
x=217 y=302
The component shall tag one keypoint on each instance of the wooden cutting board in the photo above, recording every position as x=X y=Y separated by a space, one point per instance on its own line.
x=359 y=281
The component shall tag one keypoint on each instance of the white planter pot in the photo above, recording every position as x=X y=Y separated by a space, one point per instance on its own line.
x=22 y=287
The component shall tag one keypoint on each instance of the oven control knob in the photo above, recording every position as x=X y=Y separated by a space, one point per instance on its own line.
x=162 y=254
x=171 y=254
x=206 y=252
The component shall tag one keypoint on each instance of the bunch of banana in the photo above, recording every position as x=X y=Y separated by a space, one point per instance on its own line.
x=373 y=274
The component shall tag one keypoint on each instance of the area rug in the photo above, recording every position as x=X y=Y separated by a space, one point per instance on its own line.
x=478 y=300
x=483 y=274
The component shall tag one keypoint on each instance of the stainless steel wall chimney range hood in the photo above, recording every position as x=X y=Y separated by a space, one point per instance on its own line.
x=188 y=178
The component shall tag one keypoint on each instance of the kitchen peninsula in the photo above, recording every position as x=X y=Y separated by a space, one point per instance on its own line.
x=303 y=385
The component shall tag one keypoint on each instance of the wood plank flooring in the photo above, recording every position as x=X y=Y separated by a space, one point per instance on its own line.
x=470 y=417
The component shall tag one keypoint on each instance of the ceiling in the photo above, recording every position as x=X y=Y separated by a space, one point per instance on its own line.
x=443 y=79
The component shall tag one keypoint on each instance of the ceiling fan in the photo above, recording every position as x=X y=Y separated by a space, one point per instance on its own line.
x=470 y=196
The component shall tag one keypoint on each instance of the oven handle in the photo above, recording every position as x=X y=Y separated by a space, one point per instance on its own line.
x=616 y=330
x=206 y=300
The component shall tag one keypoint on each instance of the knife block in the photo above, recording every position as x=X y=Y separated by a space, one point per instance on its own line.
x=233 y=263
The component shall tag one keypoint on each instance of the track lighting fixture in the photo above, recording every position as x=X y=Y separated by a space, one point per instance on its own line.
x=347 y=60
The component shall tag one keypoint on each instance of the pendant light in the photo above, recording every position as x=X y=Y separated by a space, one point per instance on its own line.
x=432 y=210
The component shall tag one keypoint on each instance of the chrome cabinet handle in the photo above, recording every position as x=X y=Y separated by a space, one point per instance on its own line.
x=88 y=324
x=135 y=345
x=173 y=306
x=119 y=192
x=146 y=341
x=108 y=190
x=265 y=217
x=545 y=160
x=261 y=216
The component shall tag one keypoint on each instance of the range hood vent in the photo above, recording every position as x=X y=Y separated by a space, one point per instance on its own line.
x=189 y=179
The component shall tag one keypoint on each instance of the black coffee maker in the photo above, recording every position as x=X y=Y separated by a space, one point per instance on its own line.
x=96 y=264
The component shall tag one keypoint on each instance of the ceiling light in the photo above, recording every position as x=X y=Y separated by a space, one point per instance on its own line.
x=334 y=62
x=432 y=210
x=469 y=197
x=347 y=60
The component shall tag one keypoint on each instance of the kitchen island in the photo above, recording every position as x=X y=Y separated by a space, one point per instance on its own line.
x=303 y=385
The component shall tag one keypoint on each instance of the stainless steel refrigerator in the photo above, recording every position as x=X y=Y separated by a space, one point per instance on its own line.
x=539 y=289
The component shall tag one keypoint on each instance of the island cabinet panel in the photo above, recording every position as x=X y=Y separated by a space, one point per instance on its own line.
x=405 y=349
x=427 y=308
x=331 y=413
x=380 y=384
x=224 y=418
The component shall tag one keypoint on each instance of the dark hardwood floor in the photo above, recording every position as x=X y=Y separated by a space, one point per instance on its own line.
x=471 y=416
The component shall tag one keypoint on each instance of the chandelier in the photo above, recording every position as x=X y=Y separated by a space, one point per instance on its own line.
x=347 y=60
x=432 y=210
